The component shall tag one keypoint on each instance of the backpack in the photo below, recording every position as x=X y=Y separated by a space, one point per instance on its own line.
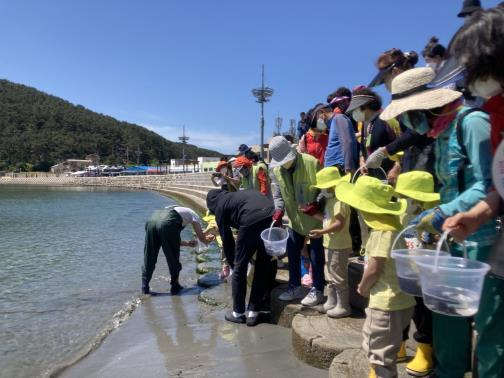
x=460 y=140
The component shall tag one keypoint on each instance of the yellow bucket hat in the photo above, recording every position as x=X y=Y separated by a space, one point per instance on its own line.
x=370 y=195
x=327 y=178
x=208 y=217
x=382 y=222
x=417 y=185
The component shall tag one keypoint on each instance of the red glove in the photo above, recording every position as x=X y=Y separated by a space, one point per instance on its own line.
x=311 y=209
x=277 y=217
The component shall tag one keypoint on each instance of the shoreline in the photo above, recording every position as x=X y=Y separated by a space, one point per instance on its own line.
x=124 y=314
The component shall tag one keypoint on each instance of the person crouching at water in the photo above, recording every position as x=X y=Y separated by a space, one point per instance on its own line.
x=250 y=213
x=163 y=229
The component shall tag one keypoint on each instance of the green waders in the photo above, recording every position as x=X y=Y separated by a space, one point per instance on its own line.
x=162 y=230
x=452 y=335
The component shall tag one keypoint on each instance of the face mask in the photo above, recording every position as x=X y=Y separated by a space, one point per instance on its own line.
x=326 y=193
x=358 y=115
x=223 y=171
x=434 y=66
x=321 y=125
x=415 y=120
x=486 y=88
x=413 y=208
x=288 y=164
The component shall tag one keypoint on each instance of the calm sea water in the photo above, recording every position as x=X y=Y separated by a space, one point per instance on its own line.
x=70 y=263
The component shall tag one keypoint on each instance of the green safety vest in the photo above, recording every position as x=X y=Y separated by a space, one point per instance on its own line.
x=298 y=191
x=251 y=182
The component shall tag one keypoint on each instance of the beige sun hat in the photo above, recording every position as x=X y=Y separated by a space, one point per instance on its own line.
x=410 y=92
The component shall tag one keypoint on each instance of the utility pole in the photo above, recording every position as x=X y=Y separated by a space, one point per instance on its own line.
x=278 y=125
x=262 y=95
x=183 y=139
x=292 y=129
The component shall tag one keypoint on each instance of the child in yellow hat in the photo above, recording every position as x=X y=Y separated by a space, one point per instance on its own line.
x=213 y=229
x=337 y=243
x=389 y=311
x=417 y=187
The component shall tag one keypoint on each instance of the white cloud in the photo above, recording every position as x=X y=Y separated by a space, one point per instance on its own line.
x=213 y=140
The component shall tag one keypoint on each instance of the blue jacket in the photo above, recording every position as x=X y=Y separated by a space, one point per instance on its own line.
x=342 y=145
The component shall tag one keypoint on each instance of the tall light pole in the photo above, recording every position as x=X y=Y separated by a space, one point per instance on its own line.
x=262 y=95
x=184 y=139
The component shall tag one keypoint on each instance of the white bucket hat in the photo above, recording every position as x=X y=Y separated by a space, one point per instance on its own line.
x=410 y=91
x=280 y=151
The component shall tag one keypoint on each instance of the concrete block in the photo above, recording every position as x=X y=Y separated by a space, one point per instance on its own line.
x=316 y=340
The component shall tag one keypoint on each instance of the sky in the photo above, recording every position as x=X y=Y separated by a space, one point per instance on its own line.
x=163 y=64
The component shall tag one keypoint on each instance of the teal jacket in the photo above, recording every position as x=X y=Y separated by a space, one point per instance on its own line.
x=478 y=173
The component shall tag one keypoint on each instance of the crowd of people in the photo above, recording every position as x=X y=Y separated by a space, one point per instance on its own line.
x=360 y=173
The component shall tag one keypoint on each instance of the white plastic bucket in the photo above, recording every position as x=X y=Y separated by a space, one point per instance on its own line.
x=452 y=285
x=275 y=240
x=384 y=181
x=407 y=270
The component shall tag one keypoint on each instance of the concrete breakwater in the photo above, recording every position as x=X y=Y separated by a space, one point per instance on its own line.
x=188 y=188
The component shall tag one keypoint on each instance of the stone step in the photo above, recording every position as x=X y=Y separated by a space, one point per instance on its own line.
x=316 y=340
x=284 y=312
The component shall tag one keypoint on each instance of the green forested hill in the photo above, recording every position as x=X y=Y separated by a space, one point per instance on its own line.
x=40 y=130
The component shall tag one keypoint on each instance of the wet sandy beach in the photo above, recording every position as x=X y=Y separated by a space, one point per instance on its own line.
x=178 y=336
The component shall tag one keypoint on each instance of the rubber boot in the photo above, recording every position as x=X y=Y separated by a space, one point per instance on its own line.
x=331 y=298
x=372 y=373
x=401 y=355
x=342 y=308
x=422 y=364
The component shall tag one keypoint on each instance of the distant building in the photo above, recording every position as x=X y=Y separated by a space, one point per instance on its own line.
x=71 y=165
x=202 y=164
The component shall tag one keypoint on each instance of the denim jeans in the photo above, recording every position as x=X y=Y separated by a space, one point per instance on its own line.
x=295 y=244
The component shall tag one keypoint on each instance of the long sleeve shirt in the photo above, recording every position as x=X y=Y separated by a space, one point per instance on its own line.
x=239 y=209
x=342 y=145
x=477 y=173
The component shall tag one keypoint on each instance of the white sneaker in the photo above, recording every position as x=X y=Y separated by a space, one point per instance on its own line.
x=313 y=298
x=292 y=294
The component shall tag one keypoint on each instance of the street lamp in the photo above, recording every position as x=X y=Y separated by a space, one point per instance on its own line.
x=184 y=139
x=262 y=95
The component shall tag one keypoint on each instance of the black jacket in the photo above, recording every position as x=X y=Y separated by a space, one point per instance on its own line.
x=237 y=209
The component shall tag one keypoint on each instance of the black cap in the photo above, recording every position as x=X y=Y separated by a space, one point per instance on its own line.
x=469 y=7
x=243 y=148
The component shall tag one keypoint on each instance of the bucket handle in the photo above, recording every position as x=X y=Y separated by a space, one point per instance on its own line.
x=360 y=169
x=409 y=228
x=438 y=249
x=271 y=227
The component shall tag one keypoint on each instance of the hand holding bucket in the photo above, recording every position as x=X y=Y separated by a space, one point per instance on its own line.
x=452 y=285
x=405 y=261
x=275 y=240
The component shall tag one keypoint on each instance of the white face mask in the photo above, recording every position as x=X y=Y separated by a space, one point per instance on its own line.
x=358 y=115
x=321 y=125
x=326 y=193
x=434 y=66
x=486 y=88
x=223 y=171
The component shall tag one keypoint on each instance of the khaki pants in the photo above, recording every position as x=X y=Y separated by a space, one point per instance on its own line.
x=337 y=267
x=383 y=334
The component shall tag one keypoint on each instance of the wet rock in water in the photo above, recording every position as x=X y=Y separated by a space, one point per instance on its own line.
x=219 y=296
x=209 y=280
x=207 y=267
x=201 y=258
